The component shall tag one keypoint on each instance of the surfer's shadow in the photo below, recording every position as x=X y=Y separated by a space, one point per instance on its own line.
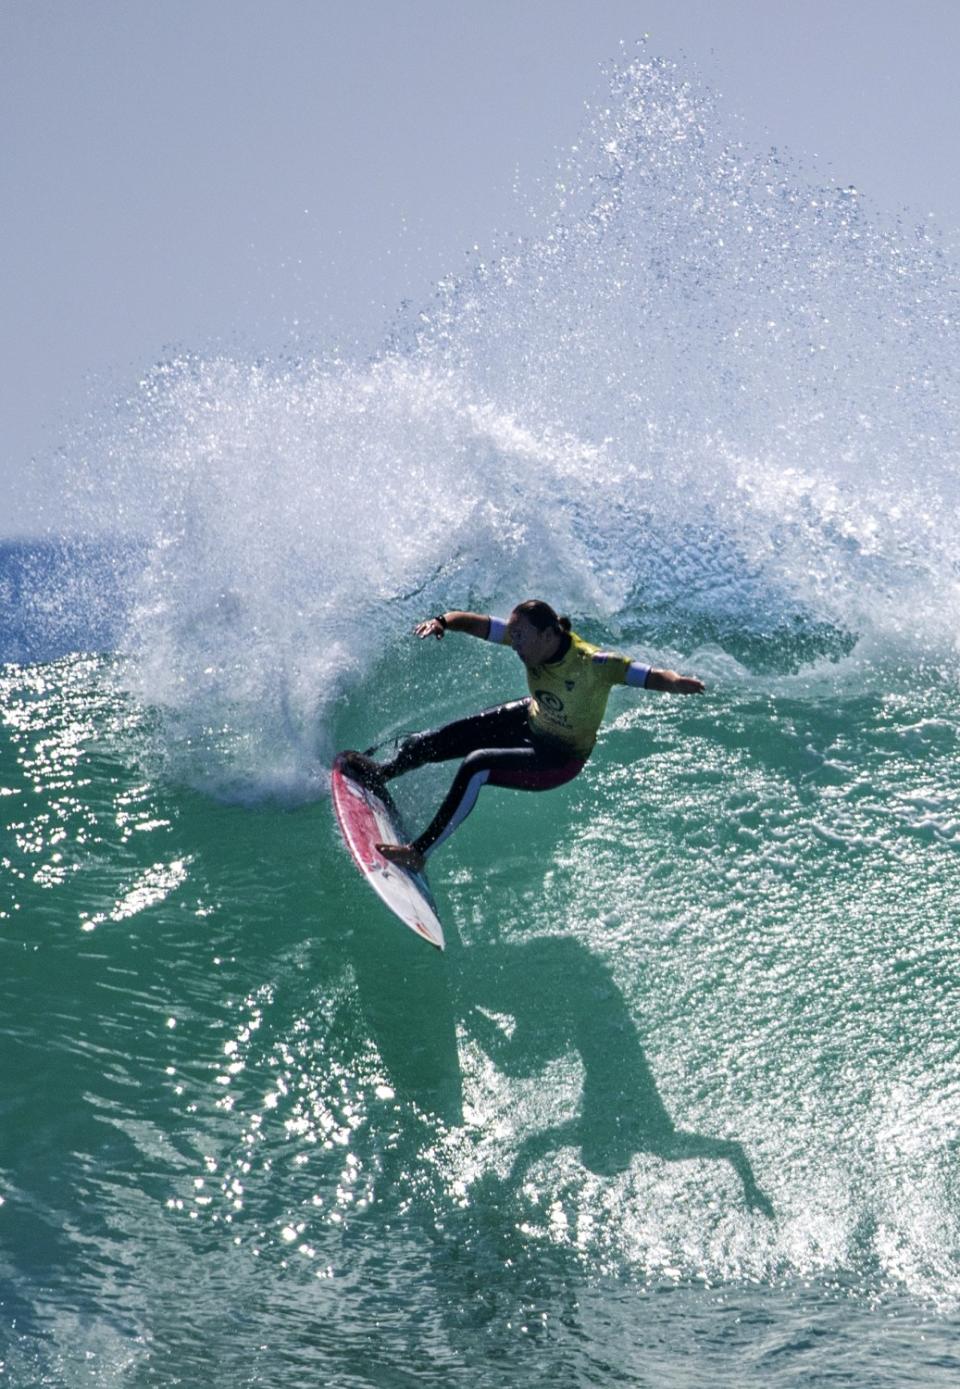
x=621 y=1113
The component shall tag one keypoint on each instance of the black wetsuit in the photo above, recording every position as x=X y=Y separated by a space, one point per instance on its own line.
x=498 y=748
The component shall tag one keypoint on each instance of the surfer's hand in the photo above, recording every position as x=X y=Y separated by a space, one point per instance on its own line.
x=433 y=627
x=688 y=684
x=669 y=682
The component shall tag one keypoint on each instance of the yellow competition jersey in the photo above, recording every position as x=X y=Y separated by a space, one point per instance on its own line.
x=569 y=696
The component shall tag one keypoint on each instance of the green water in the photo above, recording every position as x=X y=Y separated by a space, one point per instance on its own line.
x=679 y=1100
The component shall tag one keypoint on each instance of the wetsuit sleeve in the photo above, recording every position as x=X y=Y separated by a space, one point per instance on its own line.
x=498 y=631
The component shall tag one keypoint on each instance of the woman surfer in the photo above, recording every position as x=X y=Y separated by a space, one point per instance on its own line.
x=531 y=744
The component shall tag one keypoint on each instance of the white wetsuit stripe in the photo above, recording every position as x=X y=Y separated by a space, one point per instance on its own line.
x=478 y=780
x=498 y=630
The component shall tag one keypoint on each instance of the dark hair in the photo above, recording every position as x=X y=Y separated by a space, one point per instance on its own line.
x=542 y=616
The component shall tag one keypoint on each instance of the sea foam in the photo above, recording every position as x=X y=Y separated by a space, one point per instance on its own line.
x=712 y=404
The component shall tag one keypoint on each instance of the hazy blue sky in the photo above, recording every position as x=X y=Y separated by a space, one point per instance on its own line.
x=188 y=173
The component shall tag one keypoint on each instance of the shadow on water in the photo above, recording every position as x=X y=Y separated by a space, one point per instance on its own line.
x=576 y=1005
x=412 y=1012
x=489 y=1276
x=474 y=1271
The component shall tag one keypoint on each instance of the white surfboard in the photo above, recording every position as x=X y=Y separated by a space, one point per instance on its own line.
x=368 y=818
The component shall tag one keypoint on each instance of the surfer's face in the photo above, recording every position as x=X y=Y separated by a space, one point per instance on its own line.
x=532 y=646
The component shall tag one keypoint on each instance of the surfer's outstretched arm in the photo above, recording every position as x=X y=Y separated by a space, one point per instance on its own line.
x=473 y=624
x=670 y=682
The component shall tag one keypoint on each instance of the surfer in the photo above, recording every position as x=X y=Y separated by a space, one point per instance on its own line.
x=531 y=744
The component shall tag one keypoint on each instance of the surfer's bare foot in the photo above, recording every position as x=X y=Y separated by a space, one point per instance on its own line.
x=403 y=855
x=362 y=769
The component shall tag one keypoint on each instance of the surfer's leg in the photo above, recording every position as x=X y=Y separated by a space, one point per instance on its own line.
x=503 y=726
x=522 y=768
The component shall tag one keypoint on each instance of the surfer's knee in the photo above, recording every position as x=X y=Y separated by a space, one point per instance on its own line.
x=474 y=762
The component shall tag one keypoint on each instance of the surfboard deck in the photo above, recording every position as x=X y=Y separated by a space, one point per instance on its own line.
x=368 y=818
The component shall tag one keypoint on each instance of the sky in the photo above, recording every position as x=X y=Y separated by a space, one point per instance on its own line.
x=238 y=175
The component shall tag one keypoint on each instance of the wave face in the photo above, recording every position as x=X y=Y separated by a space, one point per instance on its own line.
x=712 y=404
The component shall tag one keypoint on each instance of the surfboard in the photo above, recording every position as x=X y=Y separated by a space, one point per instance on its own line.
x=368 y=818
